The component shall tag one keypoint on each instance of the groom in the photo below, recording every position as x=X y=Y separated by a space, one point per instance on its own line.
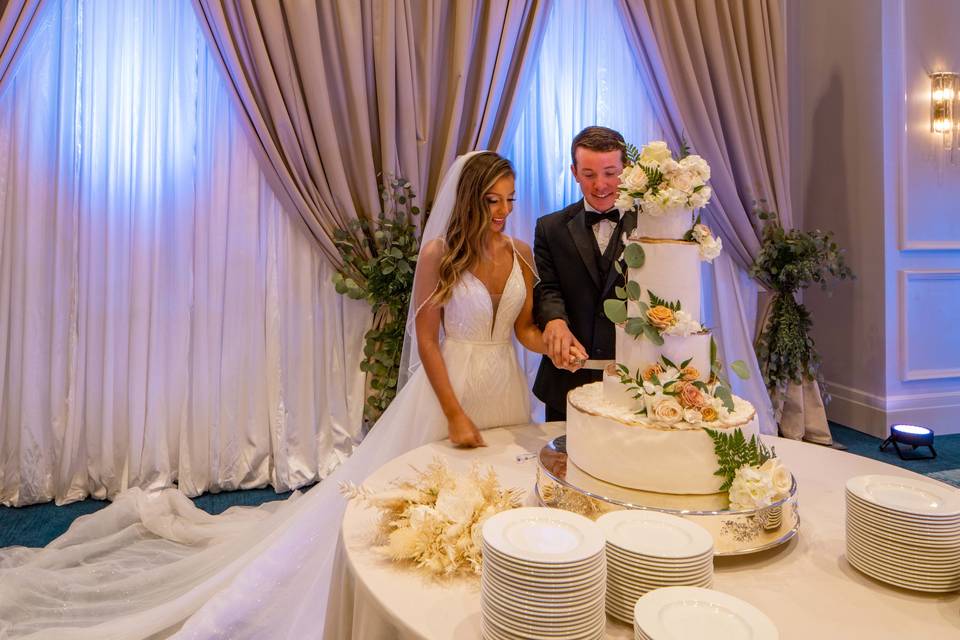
x=575 y=250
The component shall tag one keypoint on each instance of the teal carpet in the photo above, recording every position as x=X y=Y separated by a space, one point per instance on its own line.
x=37 y=525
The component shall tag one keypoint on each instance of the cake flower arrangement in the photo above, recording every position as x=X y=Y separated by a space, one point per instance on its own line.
x=657 y=184
x=673 y=395
x=435 y=519
x=752 y=472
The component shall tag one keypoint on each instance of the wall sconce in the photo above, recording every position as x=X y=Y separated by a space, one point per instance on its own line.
x=944 y=108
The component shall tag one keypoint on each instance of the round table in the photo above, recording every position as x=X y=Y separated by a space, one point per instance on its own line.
x=805 y=586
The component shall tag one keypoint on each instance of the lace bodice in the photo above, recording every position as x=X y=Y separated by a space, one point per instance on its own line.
x=471 y=316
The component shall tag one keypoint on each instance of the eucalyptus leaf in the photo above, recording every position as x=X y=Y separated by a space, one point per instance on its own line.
x=615 y=310
x=740 y=368
x=652 y=334
x=634 y=327
x=633 y=255
x=633 y=290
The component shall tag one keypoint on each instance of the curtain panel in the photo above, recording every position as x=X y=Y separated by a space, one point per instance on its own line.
x=17 y=20
x=162 y=321
x=335 y=93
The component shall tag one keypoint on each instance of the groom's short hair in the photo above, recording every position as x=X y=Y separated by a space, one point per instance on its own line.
x=599 y=139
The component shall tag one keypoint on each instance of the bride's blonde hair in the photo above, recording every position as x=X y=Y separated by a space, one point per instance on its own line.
x=469 y=219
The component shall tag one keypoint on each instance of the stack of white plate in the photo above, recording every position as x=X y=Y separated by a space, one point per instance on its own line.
x=904 y=531
x=647 y=550
x=544 y=576
x=691 y=613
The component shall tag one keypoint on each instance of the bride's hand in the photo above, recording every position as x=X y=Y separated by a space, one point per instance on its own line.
x=463 y=433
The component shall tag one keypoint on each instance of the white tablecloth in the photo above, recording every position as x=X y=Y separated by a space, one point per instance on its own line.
x=805 y=586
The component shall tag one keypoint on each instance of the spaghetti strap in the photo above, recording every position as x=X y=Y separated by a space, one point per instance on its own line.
x=533 y=270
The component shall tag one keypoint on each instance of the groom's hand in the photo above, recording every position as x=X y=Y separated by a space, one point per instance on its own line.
x=563 y=349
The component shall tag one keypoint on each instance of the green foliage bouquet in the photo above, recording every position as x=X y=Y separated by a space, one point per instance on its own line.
x=379 y=258
x=788 y=262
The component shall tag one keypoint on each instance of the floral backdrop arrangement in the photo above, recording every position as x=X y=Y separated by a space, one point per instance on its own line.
x=379 y=260
x=788 y=262
x=435 y=520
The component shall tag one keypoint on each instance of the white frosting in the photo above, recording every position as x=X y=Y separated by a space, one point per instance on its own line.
x=672 y=271
x=611 y=443
x=640 y=353
x=672 y=225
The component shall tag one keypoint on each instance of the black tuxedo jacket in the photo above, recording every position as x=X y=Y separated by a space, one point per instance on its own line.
x=571 y=287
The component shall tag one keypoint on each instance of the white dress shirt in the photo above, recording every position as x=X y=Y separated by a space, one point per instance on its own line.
x=603 y=230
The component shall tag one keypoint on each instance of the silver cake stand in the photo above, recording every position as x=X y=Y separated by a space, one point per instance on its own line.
x=562 y=484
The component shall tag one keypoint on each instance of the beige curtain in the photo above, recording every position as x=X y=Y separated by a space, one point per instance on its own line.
x=17 y=18
x=717 y=69
x=335 y=92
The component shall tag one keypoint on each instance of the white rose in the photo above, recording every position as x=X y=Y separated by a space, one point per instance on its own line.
x=650 y=389
x=751 y=489
x=669 y=167
x=697 y=165
x=634 y=179
x=684 y=181
x=701 y=232
x=625 y=202
x=672 y=198
x=779 y=476
x=654 y=153
x=651 y=205
x=710 y=249
x=668 y=410
x=685 y=325
x=700 y=199
x=693 y=416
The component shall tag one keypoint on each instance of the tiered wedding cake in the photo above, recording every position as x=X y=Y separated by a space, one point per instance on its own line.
x=644 y=425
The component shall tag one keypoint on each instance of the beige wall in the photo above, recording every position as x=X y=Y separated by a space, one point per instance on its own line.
x=865 y=165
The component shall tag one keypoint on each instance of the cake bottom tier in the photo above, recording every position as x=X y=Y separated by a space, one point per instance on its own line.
x=638 y=456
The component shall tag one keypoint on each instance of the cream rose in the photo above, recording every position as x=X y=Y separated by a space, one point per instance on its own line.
x=654 y=153
x=710 y=249
x=693 y=416
x=625 y=202
x=701 y=232
x=668 y=410
x=683 y=325
x=751 y=489
x=684 y=181
x=634 y=179
x=779 y=477
x=660 y=316
x=700 y=198
x=697 y=165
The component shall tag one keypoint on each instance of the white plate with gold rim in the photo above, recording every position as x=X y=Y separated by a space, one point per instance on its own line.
x=543 y=535
x=907 y=495
x=691 y=613
x=655 y=534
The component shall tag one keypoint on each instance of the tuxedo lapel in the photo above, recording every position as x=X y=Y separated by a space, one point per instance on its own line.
x=628 y=224
x=584 y=240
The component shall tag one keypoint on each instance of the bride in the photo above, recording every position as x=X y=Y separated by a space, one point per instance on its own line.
x=153 y=565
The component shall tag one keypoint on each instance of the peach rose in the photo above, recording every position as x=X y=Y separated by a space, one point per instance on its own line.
x=652 y=370
x=689 y=373
x=709 y=414
x=691 y=396
x=661 y=317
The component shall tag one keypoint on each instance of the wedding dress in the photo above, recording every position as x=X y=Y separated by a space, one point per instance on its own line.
x=150 y=561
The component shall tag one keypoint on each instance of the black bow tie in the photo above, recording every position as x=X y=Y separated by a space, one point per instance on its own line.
x=593 y=217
